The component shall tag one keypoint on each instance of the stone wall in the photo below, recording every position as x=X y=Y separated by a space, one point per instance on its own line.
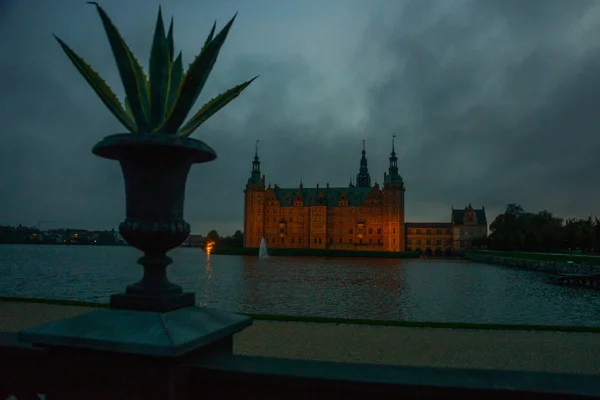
x=534 y=265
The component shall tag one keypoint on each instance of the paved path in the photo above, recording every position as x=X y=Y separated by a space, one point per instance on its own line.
x=507 y=350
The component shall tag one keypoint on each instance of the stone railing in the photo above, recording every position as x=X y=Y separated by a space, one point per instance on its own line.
x=216 y=373
x=534 y=265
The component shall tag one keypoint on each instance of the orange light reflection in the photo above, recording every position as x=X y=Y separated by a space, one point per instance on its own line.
x=208 y=248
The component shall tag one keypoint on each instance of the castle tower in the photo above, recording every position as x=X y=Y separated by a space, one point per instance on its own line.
x=254 y=196
x=394 y=235
x=363 y=179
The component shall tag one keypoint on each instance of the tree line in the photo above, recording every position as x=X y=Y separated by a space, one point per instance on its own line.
x=236 y=240
x=518 y=230
x=32 y=235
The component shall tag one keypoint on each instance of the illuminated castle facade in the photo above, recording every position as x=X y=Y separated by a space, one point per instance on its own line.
x=360 y=216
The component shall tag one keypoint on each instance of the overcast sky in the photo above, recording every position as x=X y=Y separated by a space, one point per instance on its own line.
x=492 y=102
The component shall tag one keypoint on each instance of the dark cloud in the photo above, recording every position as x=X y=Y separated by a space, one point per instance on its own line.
x=504 y=94
x=492 y=102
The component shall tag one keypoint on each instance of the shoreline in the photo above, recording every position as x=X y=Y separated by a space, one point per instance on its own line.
x=534 y=264
x=343 y=321
x=307 y=252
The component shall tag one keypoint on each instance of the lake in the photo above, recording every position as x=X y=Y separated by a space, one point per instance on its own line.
x=392 y=289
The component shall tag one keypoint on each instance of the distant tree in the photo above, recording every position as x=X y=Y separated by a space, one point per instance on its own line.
x=236 y=240
x=106 y=238
x=213 y=236
x=516 y=229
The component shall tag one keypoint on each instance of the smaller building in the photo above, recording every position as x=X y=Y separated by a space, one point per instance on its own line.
x=447 y=237
x=433 y=237
x=467 y=225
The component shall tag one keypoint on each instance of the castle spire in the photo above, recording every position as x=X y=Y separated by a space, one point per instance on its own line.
x=363 y=179
x=393 y=175
x=256 y=162
x=255 y=178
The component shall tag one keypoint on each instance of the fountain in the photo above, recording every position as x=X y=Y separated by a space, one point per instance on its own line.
x=262 y=251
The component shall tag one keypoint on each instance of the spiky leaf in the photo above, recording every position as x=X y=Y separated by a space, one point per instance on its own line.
x=128 y=107
x=212 y=107
x=132 y=75
x=159 y=73
x=174 y=83
x=100 y=87
x=210 y=36
x=171 y=41
x=194 y=81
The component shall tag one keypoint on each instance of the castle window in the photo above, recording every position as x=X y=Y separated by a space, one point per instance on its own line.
x=438 y=242
x=409 y=241
x=359 y=241
x=291 y=219
x=330 y=240
x=419 y=232
x=428 y=231
x=292 y=240
x=378 y=241
x=370 y=231
x=351 y=231
x=394 y=230
x=370 y=241
x=428 y=242
x=315 y=240
x=393 y=241
x=273 y=241
x=379 y=231
x=281 y=240
x=319 y=240
x=340 y=241
x=300 y=240
x=438 y=231
x=350 y=241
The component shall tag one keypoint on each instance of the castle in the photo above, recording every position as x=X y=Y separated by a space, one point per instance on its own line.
x=357 y=217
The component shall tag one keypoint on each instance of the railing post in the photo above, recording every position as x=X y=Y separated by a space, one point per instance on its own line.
x=130 y=354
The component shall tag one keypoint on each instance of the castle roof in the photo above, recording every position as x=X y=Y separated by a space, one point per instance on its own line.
x=355 y=195
x=458 y=215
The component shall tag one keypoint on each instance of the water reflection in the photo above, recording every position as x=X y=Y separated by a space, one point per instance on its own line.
x=208 y=276
x=208 y=267
x=423 y=290
x=342 y=288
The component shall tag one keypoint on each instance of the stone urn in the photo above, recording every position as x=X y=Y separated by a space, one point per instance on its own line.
x=155 y=168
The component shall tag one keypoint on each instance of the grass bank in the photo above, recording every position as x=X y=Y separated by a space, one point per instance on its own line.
x=578 y=259
x=315 y=253
x=349 y=321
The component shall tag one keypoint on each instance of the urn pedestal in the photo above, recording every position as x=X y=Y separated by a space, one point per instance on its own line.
x=155 y=168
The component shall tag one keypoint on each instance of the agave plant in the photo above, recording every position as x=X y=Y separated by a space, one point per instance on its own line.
x=161 y=102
